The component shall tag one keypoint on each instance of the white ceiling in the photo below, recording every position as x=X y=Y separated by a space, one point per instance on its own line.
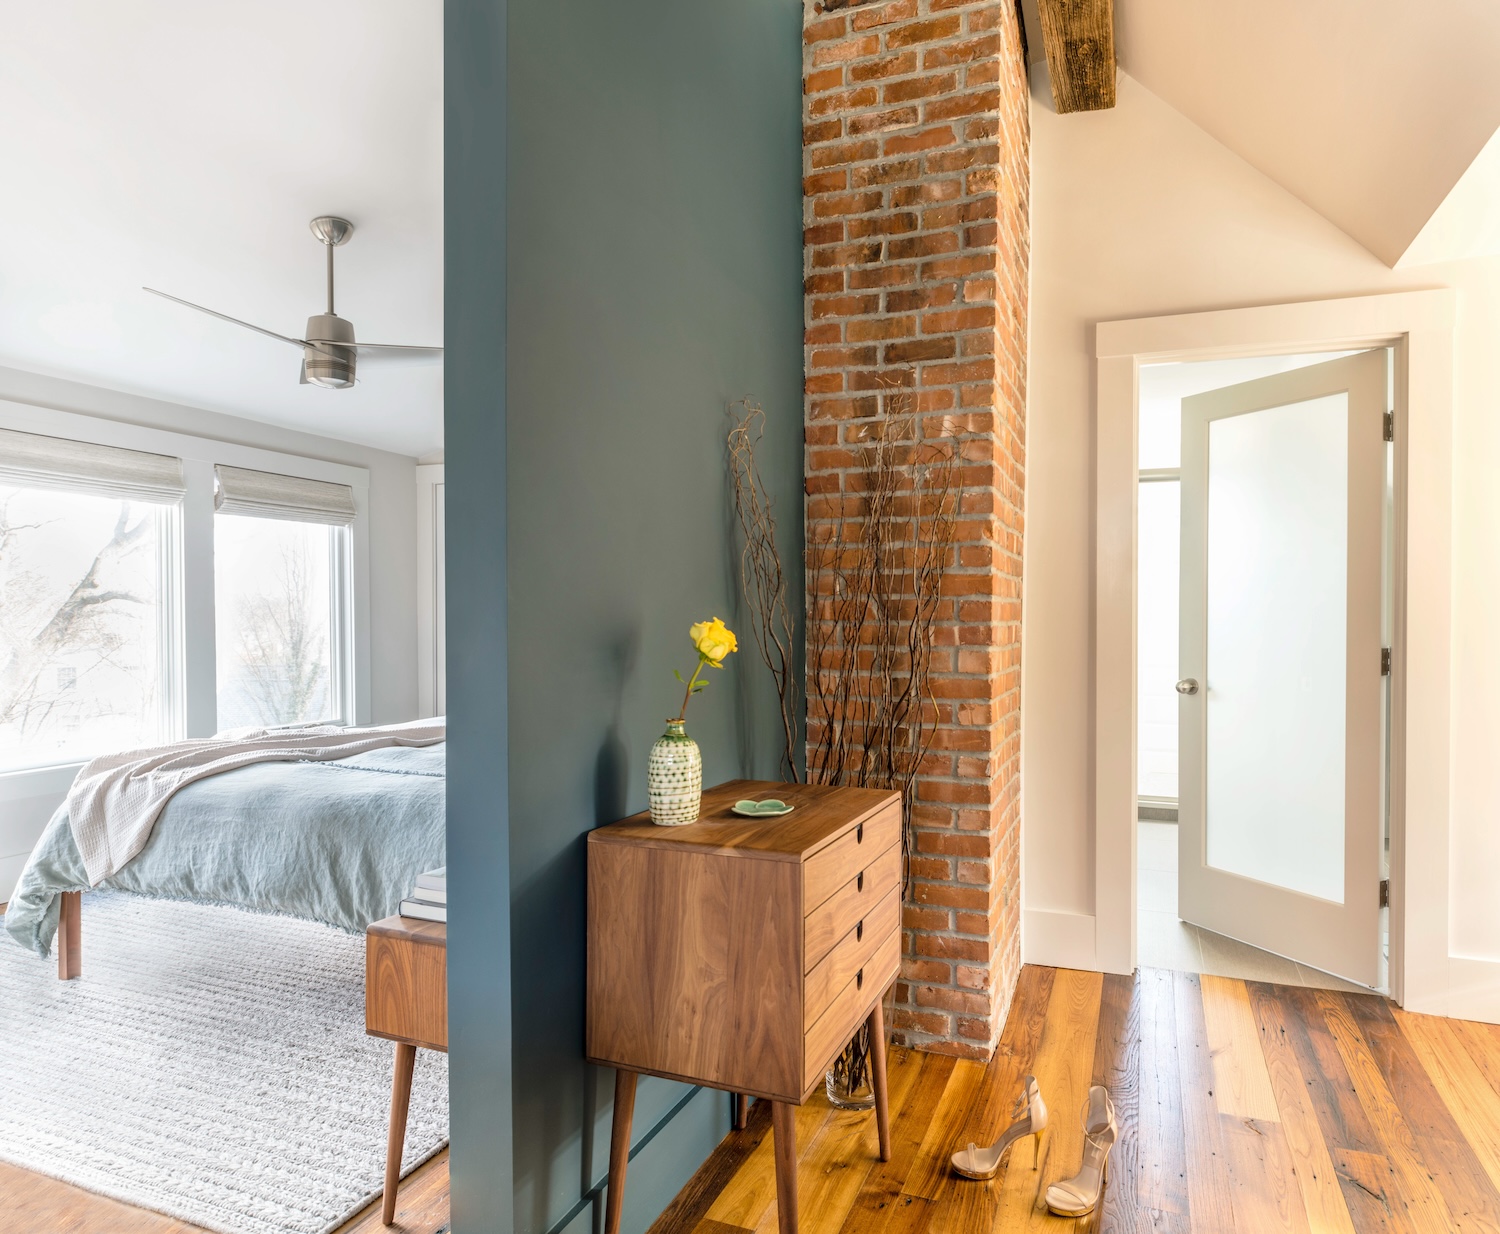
x=1370 y=111
x=185 y=145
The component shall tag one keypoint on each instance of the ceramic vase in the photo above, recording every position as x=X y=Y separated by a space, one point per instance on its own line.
x=674 y=777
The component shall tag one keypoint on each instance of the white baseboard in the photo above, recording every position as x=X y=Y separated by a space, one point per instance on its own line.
x=1473 y=992
x=1059 y=940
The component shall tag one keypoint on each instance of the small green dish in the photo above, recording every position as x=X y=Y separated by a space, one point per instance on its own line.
x=761 y=809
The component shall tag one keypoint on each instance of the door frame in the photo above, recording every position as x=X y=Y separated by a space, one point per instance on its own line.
x=1418 y=326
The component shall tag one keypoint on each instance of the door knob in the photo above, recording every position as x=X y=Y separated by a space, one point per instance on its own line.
x=1187 y=686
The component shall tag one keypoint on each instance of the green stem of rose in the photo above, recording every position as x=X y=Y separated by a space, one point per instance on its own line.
x=682 y=714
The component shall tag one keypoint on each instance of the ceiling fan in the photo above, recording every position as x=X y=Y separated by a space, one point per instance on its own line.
x=329 y=351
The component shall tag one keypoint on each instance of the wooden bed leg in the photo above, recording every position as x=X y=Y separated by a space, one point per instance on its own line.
x=68 y=942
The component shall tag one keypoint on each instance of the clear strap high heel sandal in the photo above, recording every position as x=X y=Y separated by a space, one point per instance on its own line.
x=981 y=1163
x=1078 y=1196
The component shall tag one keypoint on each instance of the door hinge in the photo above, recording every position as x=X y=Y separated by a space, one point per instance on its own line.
x=1390 y=426
x=1385 y=893
x=1385 y=661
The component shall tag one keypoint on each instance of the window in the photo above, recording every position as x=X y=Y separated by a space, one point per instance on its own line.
x=280 y=548
x=147 y=597
x=276 y=629
x=87 y=600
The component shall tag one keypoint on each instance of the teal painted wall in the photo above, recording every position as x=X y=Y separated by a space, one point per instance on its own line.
x=652 y=229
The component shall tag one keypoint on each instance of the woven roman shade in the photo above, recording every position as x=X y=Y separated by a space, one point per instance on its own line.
x=32 y=460
x=264 y=494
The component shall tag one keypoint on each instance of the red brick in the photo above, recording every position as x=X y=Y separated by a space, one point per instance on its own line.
x=828 y=28
x=927 y=139
x=868 y=18
x=921 y=32
x=916 y=164
x=887 y=66
x=823 y=79
x=920 y=87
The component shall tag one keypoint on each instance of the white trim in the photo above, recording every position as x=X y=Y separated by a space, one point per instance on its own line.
x=431 y=694
x=1419 y=326
x=1058 y=939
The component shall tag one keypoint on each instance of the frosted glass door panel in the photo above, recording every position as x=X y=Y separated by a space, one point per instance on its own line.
x=1278 y=492
x=1279 y=720
x=1156 y=621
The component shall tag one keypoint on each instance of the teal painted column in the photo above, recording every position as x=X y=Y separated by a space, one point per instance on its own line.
x=479 y=949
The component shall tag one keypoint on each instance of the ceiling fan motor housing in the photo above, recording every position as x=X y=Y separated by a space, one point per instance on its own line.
x=332 y=364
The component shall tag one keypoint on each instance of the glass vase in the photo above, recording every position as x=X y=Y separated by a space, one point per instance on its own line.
x=850 y=1085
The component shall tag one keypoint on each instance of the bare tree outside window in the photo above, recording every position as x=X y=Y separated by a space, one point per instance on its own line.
x=274 y=619
x=79 y=616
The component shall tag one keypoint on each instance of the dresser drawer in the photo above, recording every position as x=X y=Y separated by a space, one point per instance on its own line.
x=850 y=1005
x=850 y=954
x=837 y=915
x=406 y=990
x=836 y=863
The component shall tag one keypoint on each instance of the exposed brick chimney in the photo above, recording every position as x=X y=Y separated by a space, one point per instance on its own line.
x=915 y=198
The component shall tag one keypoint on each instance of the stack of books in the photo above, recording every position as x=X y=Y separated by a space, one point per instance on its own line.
x=429 y=900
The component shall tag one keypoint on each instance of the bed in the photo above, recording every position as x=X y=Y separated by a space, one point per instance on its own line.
x=338 y=842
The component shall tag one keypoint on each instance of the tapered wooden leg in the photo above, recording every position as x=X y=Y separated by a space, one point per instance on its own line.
x=876 y=1024
x=784 y=1128
x=741 y=1111
x=69 y=941
x=395 y=1143
x=619 y=1149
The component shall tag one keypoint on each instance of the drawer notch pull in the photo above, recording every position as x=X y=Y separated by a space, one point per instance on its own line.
x=859 y=834
x=859 y=931
x=859 y=980
x=859 y=883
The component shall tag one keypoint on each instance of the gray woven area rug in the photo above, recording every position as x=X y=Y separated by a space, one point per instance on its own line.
x=210 y=1064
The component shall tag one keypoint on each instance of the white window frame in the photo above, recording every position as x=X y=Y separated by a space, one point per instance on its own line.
x=432 y=694
x=192 y=666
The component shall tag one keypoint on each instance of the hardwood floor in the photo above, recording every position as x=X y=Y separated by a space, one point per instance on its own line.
x=1244 y=1108
x=36 y=1202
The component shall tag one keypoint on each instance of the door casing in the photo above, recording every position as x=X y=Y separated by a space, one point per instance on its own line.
x=1418 y=326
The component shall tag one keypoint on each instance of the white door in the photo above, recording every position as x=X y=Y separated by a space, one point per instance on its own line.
x=1280 y=800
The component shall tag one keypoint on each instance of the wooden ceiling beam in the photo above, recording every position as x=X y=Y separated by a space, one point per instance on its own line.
x=1079 y=38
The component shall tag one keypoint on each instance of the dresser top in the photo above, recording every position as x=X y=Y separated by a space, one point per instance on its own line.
x=411 y=929
x=821 y=812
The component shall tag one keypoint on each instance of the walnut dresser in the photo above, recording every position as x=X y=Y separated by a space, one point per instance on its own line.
x=743 y=954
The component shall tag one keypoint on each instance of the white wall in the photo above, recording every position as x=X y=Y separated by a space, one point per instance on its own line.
x=392 y=561
x=1137 y=212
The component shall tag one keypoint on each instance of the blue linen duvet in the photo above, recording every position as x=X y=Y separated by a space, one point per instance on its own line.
x=338 y=842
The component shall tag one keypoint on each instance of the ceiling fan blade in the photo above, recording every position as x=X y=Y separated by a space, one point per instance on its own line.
x=295 y=342
x=382 y=354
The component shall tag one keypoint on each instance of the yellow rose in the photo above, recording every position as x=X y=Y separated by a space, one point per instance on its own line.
x=714 y=640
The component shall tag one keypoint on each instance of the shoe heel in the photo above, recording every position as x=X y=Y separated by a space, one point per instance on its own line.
x=1036 y=1150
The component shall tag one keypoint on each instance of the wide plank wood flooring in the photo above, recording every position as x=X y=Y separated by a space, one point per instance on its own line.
x=1244 y=1108
x=34 y=1202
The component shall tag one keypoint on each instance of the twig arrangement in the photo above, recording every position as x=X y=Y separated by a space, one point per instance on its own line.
x=762 y=578
x=874 y=593
x=875 y=587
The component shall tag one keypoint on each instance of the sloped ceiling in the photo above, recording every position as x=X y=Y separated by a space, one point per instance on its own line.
x=185 y=145
x=1370 y=111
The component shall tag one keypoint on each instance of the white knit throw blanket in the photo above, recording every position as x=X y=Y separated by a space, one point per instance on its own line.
x=115 y=800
